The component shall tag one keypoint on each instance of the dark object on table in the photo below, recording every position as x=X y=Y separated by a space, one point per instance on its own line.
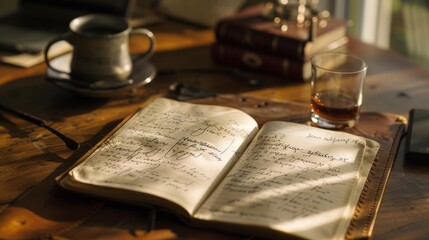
x=70 y=143
x=417 y=144
x=37 y=21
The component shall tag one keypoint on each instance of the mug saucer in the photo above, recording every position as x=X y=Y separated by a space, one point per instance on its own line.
x=143 y=73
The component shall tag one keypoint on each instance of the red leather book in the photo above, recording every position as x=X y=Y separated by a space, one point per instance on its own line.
x=236 y=56
x=252 y=30
x=241 y=57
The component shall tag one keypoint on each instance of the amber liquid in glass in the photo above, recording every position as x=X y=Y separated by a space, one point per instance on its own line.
x=338 y=107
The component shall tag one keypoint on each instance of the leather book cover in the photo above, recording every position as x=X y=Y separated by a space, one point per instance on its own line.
x=242 y=57
x=49 y=212
x=385 y=128
x=236 y=56
x=253 y=30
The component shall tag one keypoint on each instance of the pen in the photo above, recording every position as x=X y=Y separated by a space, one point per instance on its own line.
x=70 y=143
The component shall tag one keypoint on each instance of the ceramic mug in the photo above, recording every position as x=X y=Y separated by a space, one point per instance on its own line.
x=101 y=48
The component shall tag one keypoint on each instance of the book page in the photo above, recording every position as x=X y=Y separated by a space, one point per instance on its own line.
x=296 y=179
x=171 y=150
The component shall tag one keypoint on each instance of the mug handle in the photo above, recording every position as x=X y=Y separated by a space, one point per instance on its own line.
x=152 y=44
x=66 y=37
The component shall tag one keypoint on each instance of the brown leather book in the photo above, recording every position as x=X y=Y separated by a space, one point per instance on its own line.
x=242 y=57
x=253 y=30
x=236 y=56
x=47 y=211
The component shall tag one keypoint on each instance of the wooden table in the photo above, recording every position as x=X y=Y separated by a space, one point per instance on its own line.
x=29 y=153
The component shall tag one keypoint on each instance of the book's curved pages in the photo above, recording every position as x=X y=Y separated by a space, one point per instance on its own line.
x=296 y=179
x=170 y=152
x=292 y=180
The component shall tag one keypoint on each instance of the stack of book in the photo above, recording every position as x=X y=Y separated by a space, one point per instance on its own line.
x=251 y=40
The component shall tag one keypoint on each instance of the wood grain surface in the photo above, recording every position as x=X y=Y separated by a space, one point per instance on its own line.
x=28 y=153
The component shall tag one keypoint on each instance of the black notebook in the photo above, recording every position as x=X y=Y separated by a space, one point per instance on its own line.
x=35 y=22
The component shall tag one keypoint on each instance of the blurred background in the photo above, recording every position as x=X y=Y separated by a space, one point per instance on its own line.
x=400 y=25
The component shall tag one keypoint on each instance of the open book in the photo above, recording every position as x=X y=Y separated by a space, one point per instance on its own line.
x=215 y=168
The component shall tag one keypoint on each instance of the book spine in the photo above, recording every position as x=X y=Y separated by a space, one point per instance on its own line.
x=228 y=32
x=244 y=58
